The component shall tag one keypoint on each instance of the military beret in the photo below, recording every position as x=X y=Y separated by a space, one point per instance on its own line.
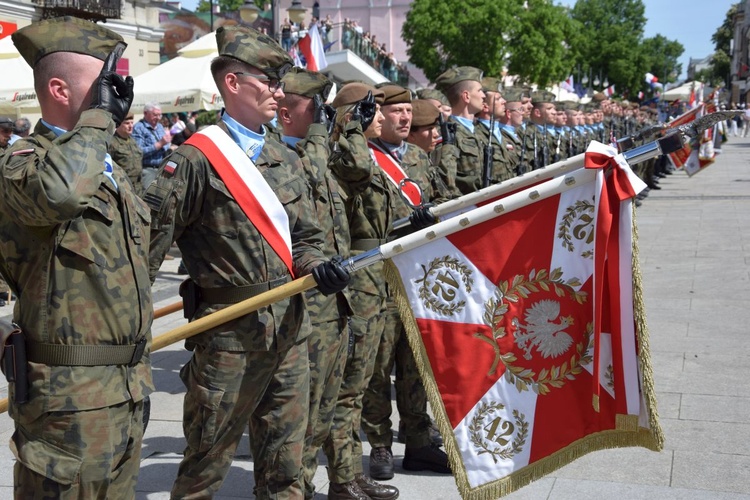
x=64 y=34
x=599 y=97
x=355 y=92
x=571 y=106
x=456 y=75
x=254 y=48
x=542 y=96
x=129 y=116
x=307 y=83
x=395 y=94
x=423 y=113
x=514 y=94
x=6 y=122
x=492 y=84
x=433 y=94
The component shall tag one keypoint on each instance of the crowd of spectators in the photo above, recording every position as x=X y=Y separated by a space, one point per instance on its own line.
x=367 y=46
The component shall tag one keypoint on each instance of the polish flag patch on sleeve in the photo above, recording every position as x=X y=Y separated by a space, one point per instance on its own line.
x=170 y=168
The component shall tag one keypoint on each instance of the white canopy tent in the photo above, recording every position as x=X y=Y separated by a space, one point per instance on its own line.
x=17 y=94
x=683 y=92
x=183 y=83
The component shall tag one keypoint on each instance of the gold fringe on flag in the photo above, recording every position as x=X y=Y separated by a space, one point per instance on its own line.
x=627 y=434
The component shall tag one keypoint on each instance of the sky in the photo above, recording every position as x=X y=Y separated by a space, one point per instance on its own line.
x=690 y=22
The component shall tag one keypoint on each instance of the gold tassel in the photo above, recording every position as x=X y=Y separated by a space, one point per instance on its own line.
x=595 y=402
x=644 y=348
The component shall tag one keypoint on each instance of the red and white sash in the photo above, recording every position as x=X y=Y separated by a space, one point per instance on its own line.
x=248 y=187
x=395 y=173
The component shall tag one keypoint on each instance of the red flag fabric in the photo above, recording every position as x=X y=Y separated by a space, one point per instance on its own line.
x=690 y=158
x=524 y=331
x=312 y=48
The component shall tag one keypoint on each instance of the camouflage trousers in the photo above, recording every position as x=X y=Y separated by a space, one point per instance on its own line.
x=225 y=391
x=343 y=446
x=327 y=347
x=92 y=454
x=411 y=398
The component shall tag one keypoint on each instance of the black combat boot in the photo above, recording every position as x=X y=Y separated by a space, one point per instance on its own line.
x=374 y=490
x=346 y=491
x=381 y=463
x=428 y=457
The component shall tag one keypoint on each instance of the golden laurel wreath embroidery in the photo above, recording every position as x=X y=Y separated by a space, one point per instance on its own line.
x=439 y=286
x=581 y=211
x=495 y=309
x=505 y=449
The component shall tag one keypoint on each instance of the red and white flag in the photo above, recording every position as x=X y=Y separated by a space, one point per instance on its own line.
x=568 y=84
x=609 y=91
x=524 y=329
x=699 y=153
x=312 y=48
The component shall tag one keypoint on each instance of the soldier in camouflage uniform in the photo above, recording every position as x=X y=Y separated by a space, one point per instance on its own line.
x=74 y=245
x=510 y=125
x=391 y=151
x=6 y=132
x=503 y=162
x=304 y=119
x=461 y=164
x=255 y=368
x=126 y=153
x=369 y=221
x=538 y=141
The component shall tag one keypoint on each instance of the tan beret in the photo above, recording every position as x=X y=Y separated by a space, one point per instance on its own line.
x=395 y=94
x=307 y=83
x=64 y=34
x=254 y=48
x=423 y=113
x=456 y=75
x=355 y=92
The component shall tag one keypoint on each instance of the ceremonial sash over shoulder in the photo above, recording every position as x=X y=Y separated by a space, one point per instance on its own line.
x=395 y=173
x=248 y=187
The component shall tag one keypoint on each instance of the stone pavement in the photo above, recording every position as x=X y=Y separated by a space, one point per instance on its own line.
x=695 y=254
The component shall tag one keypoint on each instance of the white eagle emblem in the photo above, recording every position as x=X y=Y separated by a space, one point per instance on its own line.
x=541 y=332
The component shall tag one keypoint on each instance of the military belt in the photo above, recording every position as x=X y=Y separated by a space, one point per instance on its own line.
x=366 y=244
x=85 y=355
x=234 y=294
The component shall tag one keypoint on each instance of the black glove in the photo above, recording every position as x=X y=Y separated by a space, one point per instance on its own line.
x=113 y=93
x=447 y=130
x=364 y=111
x=331 y=276
x=421 y=217
x=323 y=113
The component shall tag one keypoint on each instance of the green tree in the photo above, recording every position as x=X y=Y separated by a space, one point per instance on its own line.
x=721 y=63
x=450 y=33
x=541 y=47
x=662 y=55
x=609 y=45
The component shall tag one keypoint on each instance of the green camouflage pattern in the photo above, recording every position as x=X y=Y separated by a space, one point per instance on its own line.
x=226 y=391
x=535 y=135
x=513 y=147
x=126 y=153
x=433 y=94
x=252 y=47
x=503 y=167
x=64 y=34
x=79 y=452
x=306 y=83
x=75 y=254
x=220 y=248
x=514 y=94
x=461 y=164
x=455 y=75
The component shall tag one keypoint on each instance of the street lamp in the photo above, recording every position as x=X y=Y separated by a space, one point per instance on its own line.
x=249 y=12
x=296 y=12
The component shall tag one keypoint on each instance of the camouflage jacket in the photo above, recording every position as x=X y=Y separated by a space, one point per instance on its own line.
x=535 y=142
x=502 y=166
x=514 y=146
x=191 y=205
x=75 y=251
x=464 y=158
x=126 y=153
x=330 y=208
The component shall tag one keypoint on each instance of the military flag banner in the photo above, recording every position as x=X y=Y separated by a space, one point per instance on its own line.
x=528 y=329
x=699 y=153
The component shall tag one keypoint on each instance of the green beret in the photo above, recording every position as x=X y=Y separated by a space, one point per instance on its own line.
x=456 y=75
x=355 y=92
x=64 y=34
x=423 y=113
x=307 y=83
x=395 y=94
x=492 y=84
x=254 y=48
x=433 y=94
x=514 y=94
x=542 y=96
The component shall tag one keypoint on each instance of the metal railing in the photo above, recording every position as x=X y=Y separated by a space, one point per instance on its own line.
x=94 y=10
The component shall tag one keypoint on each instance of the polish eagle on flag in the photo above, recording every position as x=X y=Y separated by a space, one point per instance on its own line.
x=528 y=331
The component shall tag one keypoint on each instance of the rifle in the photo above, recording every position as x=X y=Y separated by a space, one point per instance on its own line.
x=536 y=149
x=489 y=150
x=545 y=147
x=521 y=167
x=556 y=156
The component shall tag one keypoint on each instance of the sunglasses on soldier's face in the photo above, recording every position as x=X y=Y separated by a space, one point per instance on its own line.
x=273 y=84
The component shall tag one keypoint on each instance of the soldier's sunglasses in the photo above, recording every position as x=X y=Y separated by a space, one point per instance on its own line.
x=273 y=83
